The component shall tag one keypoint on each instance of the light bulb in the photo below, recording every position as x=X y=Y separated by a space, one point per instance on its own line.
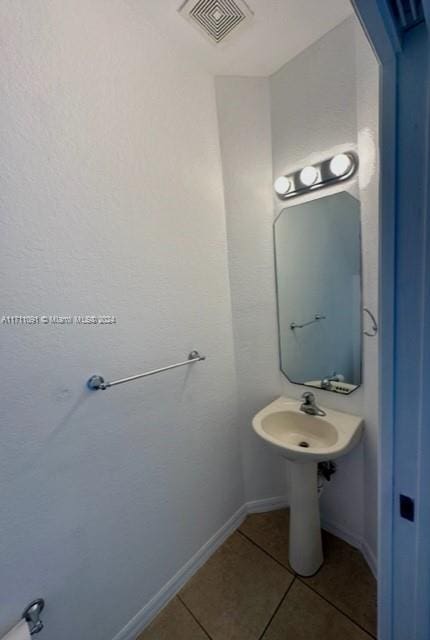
x=340 y=164
x=282 y=185
x=308 y=176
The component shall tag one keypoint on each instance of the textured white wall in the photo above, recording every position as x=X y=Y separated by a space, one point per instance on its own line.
x=244 y=124
x=313 y=101
x=325 y=101
x=111 y=202
x=368 y=149
x=322 y=102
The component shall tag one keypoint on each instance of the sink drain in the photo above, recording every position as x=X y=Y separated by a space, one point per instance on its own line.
x=304 y=444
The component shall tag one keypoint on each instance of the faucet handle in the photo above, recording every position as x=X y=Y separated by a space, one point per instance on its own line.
x=308 y=397
x=310 y=406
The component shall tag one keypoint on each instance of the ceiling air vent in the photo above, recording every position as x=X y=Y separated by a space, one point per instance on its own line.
x=406 y=13
x=216 y=18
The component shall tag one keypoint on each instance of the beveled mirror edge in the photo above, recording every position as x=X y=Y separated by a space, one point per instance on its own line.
x=303 y=384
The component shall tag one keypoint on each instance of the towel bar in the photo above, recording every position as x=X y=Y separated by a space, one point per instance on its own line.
x=98 y=382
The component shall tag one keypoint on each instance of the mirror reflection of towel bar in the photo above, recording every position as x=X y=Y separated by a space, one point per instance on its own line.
x=32 y=616
x=317 y=317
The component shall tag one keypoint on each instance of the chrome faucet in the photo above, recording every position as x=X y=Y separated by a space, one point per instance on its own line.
x=326 y=383
x=310 y=406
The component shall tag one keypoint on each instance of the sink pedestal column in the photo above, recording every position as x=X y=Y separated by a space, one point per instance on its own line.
x=305 y=551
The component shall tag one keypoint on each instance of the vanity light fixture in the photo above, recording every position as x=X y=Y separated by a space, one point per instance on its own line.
x=308 y=176
x=340 y=164
x=282 y=185
x=340 y=167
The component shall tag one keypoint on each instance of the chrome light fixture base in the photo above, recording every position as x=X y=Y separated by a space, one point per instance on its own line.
x=318 y=175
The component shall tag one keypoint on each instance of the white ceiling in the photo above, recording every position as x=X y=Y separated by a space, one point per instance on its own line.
x=279 y=30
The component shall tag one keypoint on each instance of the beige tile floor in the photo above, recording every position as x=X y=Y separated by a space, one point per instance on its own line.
x=247 y=591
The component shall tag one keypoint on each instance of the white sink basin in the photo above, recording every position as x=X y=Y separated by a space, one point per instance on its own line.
x=306 y=440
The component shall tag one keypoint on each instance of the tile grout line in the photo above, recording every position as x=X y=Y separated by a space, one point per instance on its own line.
x=277 y=608
x=307 y=585
x=266 y=552
x=295 y=577
x=335 y=606
x=194 y=617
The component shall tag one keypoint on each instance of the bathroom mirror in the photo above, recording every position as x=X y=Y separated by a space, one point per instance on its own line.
x=318 y=275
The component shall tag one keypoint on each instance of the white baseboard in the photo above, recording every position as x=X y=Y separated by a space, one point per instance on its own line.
x=370 y=558
x=355 y=541
x=266 y=504
x=280 y=502
x=340 y=532
x=175 y=584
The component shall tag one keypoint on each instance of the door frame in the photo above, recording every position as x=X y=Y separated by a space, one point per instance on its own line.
x=404 y=442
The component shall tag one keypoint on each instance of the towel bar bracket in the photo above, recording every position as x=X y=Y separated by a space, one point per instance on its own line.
x=96 y=382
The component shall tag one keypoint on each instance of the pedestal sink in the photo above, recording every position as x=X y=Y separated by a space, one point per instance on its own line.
x=305 y=440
